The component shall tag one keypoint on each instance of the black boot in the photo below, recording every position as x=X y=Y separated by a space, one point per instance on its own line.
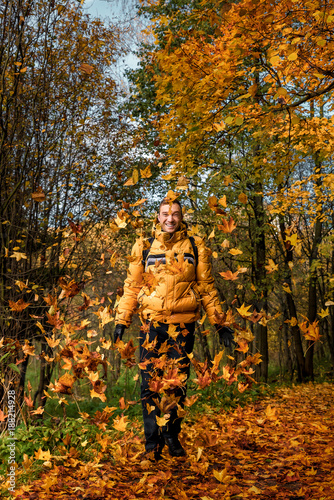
x=174 y=447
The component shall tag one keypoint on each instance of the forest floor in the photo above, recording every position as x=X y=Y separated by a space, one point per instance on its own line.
x=280 y=447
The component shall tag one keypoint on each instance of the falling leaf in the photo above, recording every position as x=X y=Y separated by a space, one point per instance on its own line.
x=18 y=256
x=38 y=196
x=182 y=183
x=293 y=239
x=52 y=341
x=324 y=313
x=138 y=202
x=228 y=180
x=243 y=198
x=162 y=421
x=228 y=275
x=235 y=251
x=18 y=306
x=244 y=311
x=86 y=68
x=227 y=226
x=222 y=201
x=39 y=411
x=171 y=196
x=271 y=267
x=146 y=173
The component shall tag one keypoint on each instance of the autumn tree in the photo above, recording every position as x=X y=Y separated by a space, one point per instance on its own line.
x=231 y=82
x=63 y=151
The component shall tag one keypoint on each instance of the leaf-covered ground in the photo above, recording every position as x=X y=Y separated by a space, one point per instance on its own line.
x=281 y=447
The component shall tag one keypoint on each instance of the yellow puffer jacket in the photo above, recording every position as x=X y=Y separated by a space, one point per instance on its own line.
x=171 y=289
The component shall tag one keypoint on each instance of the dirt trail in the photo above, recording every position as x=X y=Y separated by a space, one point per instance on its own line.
x=279 y=448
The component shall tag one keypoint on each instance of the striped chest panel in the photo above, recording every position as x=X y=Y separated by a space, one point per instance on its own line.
x=152 y=259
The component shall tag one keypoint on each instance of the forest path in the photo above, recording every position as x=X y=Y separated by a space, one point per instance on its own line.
x=281 y=447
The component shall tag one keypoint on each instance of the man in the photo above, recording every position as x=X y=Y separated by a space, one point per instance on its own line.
x=170 y=285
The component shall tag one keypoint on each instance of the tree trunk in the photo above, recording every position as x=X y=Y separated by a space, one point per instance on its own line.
x=260 y=280
x=295 y=331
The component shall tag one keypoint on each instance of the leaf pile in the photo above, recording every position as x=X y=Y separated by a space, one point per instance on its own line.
x=281 y=447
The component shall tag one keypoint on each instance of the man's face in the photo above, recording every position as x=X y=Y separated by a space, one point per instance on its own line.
x=170 y=217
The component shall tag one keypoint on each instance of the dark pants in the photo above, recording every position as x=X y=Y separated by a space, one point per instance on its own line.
x=151 y=375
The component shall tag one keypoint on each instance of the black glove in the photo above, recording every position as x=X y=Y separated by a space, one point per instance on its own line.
x=225 y=335
x=118 y=333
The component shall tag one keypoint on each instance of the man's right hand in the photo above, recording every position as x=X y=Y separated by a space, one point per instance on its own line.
x=118 y=333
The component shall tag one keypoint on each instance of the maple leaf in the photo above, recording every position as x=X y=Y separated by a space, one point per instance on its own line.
x=222 y=476
x=242 y=387
x=203 y=380
x=270 y=413
x=2 y=416
x=18 y=256
x=190 y=400
x=323 y=313
x=292 y=240
x=39 y=411
x=100 y=395
x=310 y=331
x=120 y=423
x=28 y=350
x=229 y=276
x=70 y=289
x=126 y=350
x=172 y=331
x=243 y=311
x=21 y=284
x=146 y=173
x=229 y=374
x=271 y=267
x=162 y=421
x=242 y=346
x=42 y=455
x=52 y=342
x=227 y=226
x=104 y=316
x=149 y=346
x=171 y=196
x=64 y=384
x=228 y=180
x=18 y=306
x=54 y=320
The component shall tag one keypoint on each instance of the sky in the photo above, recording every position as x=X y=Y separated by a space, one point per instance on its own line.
x=103 y=8
x=115 y=10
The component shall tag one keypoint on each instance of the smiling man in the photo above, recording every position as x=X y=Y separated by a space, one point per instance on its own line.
x=170 y=278
x=170 y=217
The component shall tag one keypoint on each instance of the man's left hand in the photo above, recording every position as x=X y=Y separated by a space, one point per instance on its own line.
x=225 y=335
